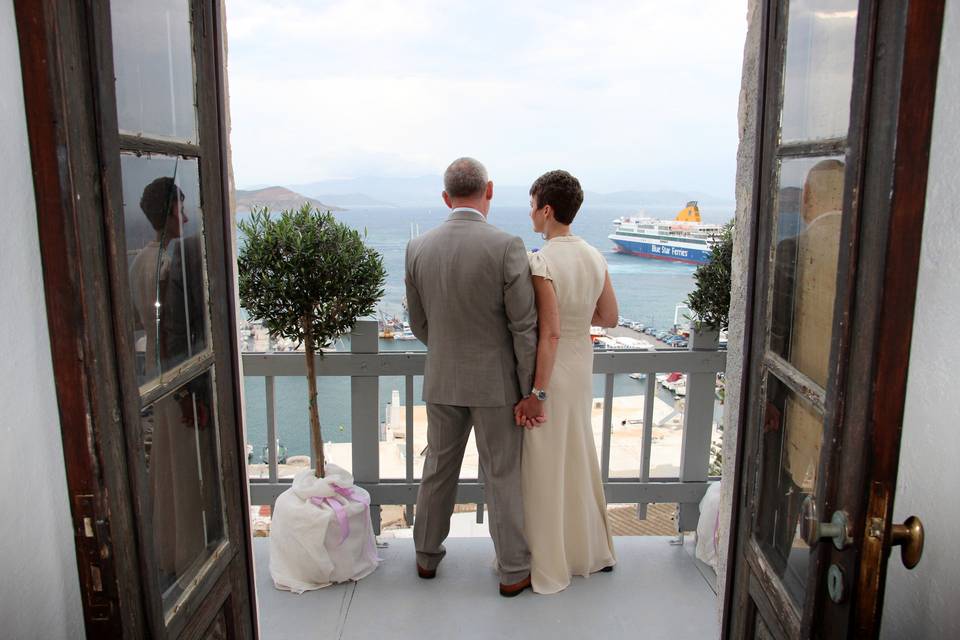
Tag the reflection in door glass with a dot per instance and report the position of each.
(182, 460)
(790, 455)
(818, 70)
(153, 63)
(164, 239)
(809, 205)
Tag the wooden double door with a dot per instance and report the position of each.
(846, 105)
(127, 122)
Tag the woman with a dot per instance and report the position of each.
(565, 513)
(169, 426)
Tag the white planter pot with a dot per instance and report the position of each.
(704, 338)
(321, 532)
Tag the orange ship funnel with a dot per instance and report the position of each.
(690, 213)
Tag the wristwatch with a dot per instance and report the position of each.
(539, 394)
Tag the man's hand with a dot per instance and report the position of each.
(529, 413)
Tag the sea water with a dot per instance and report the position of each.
(648, 291)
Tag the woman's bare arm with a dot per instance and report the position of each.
(607, 311)
(548, 330)
(548, 337)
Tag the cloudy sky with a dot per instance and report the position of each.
(635, 94)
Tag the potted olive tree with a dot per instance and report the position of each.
(309, 278)
(709, 302)
(710, 306)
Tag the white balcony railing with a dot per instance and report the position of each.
(365, 364)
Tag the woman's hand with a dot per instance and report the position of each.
(529, 413)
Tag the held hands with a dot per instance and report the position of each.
(529, 413)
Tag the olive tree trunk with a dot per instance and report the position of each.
(316, 437)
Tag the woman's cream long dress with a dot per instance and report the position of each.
(565, 511)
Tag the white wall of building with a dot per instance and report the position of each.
(740, 269)
(39, 589)
(923, 603)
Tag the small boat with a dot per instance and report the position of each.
(281, 454)
(638, 376)
(672, 380)
(405, 334)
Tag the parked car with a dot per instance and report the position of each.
(680, 344)
(623, 322)
(650, 331)
(663, 335)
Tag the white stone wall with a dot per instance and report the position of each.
(747, 120)
(39, 588)
(923, 603)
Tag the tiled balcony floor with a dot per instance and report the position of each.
(656, 592)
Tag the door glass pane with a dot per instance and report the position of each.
(165, 260)
(183, 467)
(818, 70)
(790, 455)
(153, 63)
(760, 630)
(806, 250)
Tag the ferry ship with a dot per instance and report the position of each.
(684, 239)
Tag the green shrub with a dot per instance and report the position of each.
(710, 301)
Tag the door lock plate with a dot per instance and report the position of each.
(836, 587)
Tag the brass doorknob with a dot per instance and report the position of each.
(909, 536)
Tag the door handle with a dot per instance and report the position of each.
(909, 537)
(812, 530)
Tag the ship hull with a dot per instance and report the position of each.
(666, 251)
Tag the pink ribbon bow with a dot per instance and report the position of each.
(337, 506)
(341, 513)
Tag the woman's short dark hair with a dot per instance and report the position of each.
(561, 191)
(157, 201)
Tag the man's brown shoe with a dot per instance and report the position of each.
(511, 590)
(426, 574)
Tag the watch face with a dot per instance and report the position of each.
(541, 395)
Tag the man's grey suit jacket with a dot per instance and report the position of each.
(471, 301)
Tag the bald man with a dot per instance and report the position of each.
(471, 301)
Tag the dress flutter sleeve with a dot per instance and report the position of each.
(538, 265)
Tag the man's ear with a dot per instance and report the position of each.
(489, 193)
(446, 200)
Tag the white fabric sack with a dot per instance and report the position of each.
(319, 542)
(708, 526)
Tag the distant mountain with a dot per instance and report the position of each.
(353, 200)
(425, 191)
(653, 198)
(277, 199)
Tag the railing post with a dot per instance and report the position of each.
(408, 442)
(365, 414)
(271, 430)
(648, 401)
(697, 427)
(607, 427)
